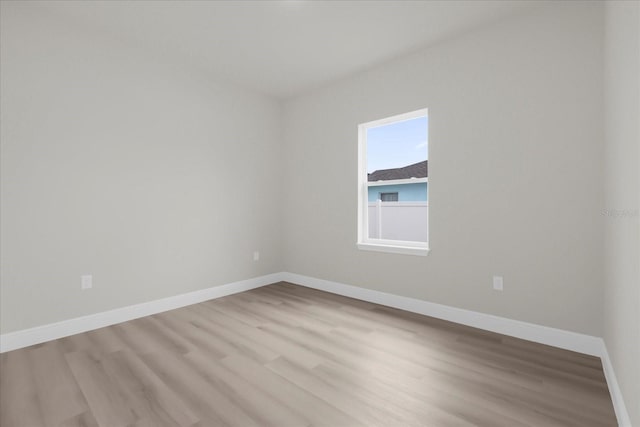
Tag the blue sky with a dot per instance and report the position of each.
(397, 144)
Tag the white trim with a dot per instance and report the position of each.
(52, 331)
(398, 205)
(398, 182)
(614, 389)
(363, 241)
(560, 338)
(396, 119)
(363, 188)
(573, 341)
(395, 249)
(581, 343)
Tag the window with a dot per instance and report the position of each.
(388, 197)
(393, 205)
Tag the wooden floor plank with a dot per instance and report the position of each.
(285, 355)
(316, 410)
(85, 419)
(205, 396)
(108, 405)
(59, 395)
(263, 405)
(19, 404)
(147, 395)
(341, 398)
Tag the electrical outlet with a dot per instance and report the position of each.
(498, 283)
(86, 282)
(256, 256)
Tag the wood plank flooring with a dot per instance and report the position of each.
(285, 355)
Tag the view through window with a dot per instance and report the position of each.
(394, 183)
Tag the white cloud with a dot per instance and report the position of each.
(421, 145)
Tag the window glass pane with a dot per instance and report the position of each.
(389, 197)
(397, 144)
(397, 153)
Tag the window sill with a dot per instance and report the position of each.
(394, 249)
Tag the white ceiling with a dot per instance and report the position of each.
(283, 47)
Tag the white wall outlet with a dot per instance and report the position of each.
(256, 256)
(86, 282)
(498, 283)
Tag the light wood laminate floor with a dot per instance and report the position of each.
(285, 355)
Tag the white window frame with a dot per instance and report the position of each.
(381, 245)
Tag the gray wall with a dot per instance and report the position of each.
(515, 171)
(622, 198)
(146, 175)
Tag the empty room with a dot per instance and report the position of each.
(319, 213)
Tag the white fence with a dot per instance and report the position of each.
(399, 221)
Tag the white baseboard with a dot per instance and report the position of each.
(560, 338)
(541, 334)
(614, 389)
(52, 331)
(581, 343)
